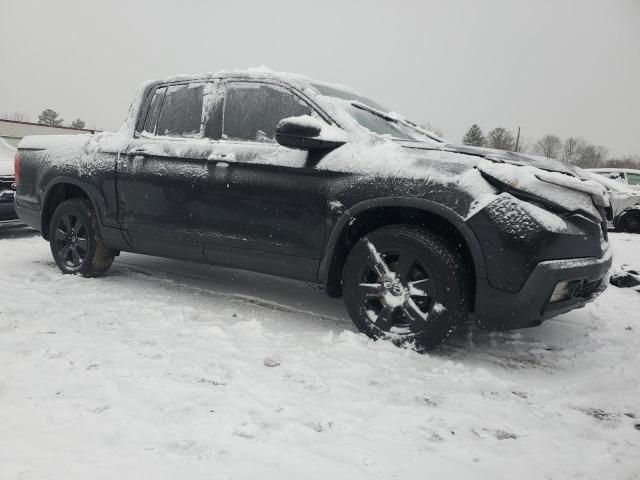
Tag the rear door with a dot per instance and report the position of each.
(162, 177)
(266, 205)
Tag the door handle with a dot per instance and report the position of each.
(221, 157)
(138, 151)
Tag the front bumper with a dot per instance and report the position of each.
(502, 310)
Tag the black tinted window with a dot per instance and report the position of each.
(154, 108)
(252, 111)
(181, 113)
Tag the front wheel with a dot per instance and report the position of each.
(76, 243)
(406, 284)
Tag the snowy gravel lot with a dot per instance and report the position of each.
(164, 369)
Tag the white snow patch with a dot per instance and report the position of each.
(157, 370)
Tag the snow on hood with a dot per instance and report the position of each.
(7, 154)
(513, 158)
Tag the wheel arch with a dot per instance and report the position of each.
(619, 221)
(59, 190)
(369, 215)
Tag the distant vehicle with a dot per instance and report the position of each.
(280, 174)
(625, 205)
(626, 176)
(7, 184)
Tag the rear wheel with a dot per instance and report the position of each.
(76, 243)
(631, 222)
(406, 284)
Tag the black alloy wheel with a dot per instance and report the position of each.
(396, 290)
(406, 284)
(76, 243)
(70, 241)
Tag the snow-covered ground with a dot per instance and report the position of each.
(163, 369)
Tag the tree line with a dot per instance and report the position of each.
(574, 150)
(47, 117)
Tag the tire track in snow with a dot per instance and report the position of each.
(233, 297)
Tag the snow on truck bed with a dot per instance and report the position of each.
(164, 370)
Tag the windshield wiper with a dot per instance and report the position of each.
(398, 121)
(376, 112)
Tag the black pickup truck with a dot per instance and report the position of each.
(280, 174)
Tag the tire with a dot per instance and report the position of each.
(419, 300)
(631, 222)
(75, 240)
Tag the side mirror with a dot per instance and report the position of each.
(304, 133)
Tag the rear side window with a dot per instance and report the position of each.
(181, 111)
(633, 178)
(252, 111)
(154, 109)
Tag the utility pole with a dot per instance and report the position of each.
(518, 139)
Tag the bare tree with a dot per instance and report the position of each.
(501, 138)
(592, 156)
(572, 149)
(15, 116)
(548, 146)
(628, 161)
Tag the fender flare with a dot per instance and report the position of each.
(411, 202)
(94, 195)
(624, 213)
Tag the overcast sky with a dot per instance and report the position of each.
(569, 67)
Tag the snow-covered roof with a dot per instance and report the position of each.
(255, 72)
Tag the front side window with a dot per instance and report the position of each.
(633, 178)
(252, 111)
(181, 111)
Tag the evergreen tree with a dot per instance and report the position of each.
(77, 123)
(49, 117)
(474, 136)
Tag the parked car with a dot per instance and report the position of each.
(627, 176)
(7, 183)
(284, 175)
(625, 205)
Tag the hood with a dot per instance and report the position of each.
(514, 158)
(559, 185)
(502, 156)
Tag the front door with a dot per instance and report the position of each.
(266, 207)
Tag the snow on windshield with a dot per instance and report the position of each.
(345, 94)
(373, 116)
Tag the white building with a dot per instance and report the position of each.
(13, 131)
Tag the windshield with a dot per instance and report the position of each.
(372, 116)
